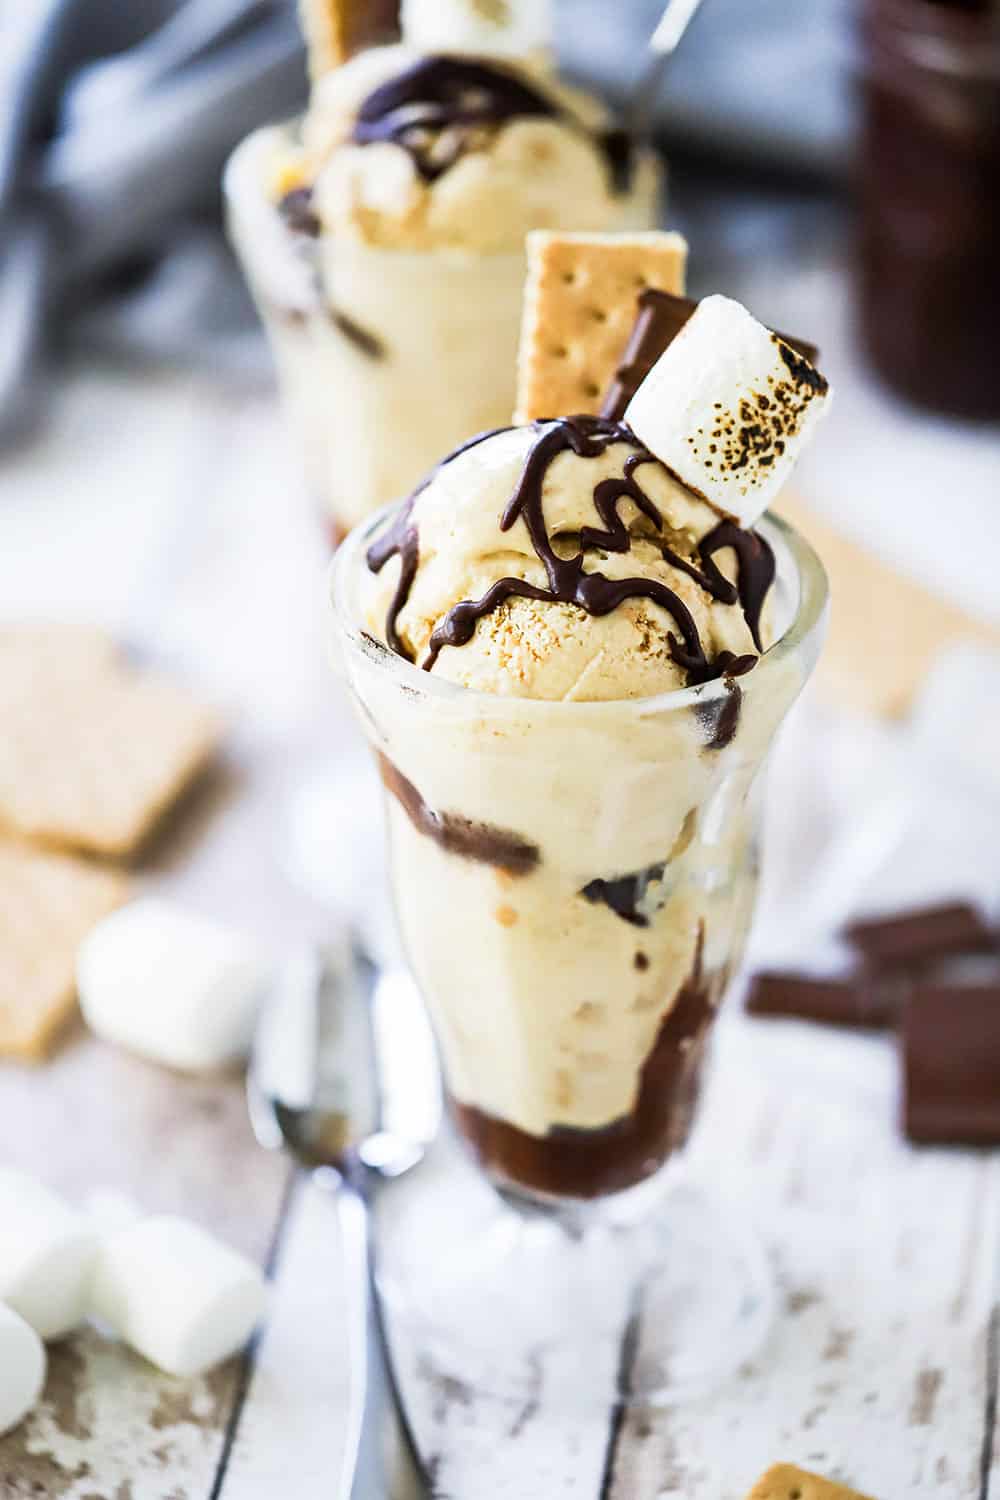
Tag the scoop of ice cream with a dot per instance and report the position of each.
(614, 507)
(410, 151)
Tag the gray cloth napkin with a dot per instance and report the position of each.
(115, 121)
(116, 117)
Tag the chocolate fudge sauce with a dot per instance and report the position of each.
(434, 109)
(568, 580)
(590, 1163)
(482, 842)
(929, 191)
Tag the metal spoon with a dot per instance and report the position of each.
(322, 1085)
(662, 45)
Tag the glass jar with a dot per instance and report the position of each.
(929, 292)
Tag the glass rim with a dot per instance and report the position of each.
(807, 620)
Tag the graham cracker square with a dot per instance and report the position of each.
(786, 1482)
(335, 29)
(48, 905)
(580, 305)
(93, 751)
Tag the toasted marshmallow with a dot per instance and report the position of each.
(728, 407)
(171, 986)
(175, 1294)
(498, 28)
(22, 1368)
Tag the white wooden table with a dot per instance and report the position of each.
(882, 1368)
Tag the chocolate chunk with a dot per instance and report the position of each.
(660, 319)
(720, 719)
(457, 835)
(951, 1065)
(624, 894)
(834, 1002)
(918, 937)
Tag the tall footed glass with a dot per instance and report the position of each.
(574, 884)
(386, 358)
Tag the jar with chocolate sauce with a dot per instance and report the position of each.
(929, 169)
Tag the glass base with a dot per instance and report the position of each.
(646, 1299)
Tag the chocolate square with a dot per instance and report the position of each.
(854, 1001)
(918, 937)
(951, 1065)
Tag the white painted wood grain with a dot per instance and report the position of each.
(535, 1445)
(887, 1260)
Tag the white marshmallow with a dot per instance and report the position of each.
(728, 407)
(22, 1368)
(109, 1210)
(175, 1294)
(172, 986)
(497, 28)
(46, 1255)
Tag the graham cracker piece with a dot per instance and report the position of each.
(335, 29)
(786, 1482)
(580, 304)
(48, 905)
(93, 751)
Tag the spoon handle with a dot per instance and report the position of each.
(380, 1462)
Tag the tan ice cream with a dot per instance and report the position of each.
(557, 651)
(573, 876)
(505, 180)
(383, 238)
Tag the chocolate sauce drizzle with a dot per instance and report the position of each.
(457, 95)
(756, 571)
(568, 580)
(402, 540)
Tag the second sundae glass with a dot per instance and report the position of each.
(574, 883)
